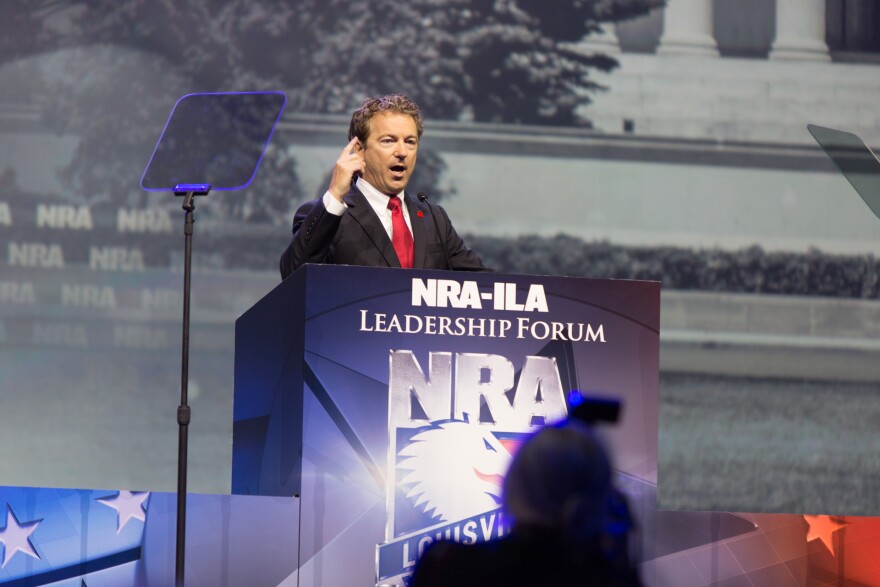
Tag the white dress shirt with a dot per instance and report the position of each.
(378, 201)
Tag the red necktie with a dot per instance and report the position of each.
(400, 235)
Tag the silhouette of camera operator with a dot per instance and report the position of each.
(569, 523)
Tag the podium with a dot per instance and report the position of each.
(390, 401)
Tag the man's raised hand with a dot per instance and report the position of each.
(349, 164)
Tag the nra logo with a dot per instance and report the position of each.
(151, 220)
(60, 216)
(17, 292)
(35, 255)
(486, 388)
(452, 431)
(88, 296)
(449, 293)
(116, 259)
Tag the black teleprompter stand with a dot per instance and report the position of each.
(188, 192)
(212, 141)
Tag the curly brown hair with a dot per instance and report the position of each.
(397, 103)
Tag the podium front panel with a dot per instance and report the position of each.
(392, 401)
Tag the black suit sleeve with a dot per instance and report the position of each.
(461, 256)
(313, 231)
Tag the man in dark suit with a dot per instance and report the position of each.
(366, 217)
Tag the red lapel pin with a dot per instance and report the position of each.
(419, 214)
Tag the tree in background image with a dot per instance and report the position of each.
(488, 60)
(109, 71)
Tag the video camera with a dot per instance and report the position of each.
(593, 409)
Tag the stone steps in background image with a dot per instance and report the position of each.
(736, 99)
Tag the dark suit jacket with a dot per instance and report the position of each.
(358, 238)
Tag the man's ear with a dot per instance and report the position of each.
(359, 146)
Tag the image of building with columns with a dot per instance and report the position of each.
(696, 149)
(751, 70)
